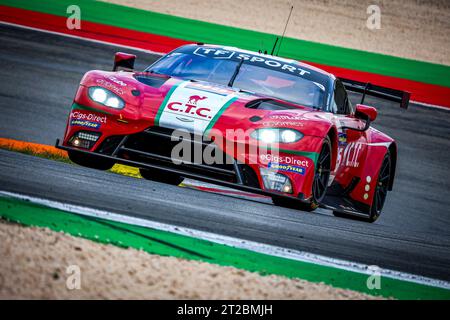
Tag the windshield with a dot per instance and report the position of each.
(189, 66)
(307, 87)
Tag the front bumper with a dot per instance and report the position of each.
(180, 171)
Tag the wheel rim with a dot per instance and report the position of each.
(322, 174)
(382, 186)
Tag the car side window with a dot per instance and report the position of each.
(341, 103)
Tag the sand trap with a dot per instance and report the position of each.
(409, 28)
(34, 261)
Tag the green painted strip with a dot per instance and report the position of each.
(187, 29)
(80, 107)
(164, 103)
(311, 155)
(218, 115)
(170, 244)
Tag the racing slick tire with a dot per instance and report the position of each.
(161, 176)
(90, 161)
(383, 180)
(320, 183)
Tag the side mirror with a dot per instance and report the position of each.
(365, 112)
(124, 61)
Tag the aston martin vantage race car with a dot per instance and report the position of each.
(240, 119)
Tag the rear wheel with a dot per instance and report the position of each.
(161, 176)
(320, 182)
(90, 161)
(380, 193)
(384, 177)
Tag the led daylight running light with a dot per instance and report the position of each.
(273, 135)
(87, 136)
(106, 97)
(268, 136)
(113, 102)
(288, 136)
(99, 95)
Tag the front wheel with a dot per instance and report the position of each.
(161, 176)
(320, 182)
(90, 161)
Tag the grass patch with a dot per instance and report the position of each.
(49, 152)
(37, 153)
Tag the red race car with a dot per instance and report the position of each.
(240, 119)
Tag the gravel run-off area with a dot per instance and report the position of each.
(414, 29)
(37, 263)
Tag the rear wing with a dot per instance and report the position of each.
(366, 88)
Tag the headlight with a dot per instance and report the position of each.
(272, 135)
(106, 97)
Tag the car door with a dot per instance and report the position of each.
(352, 143)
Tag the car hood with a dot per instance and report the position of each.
(199, 106)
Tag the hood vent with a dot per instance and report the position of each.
(151, 80)
(268, 104)
(255, 119)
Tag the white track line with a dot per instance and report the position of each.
(428, 105)
(233, 242)
(421, 104)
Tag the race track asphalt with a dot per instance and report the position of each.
(39, 76)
